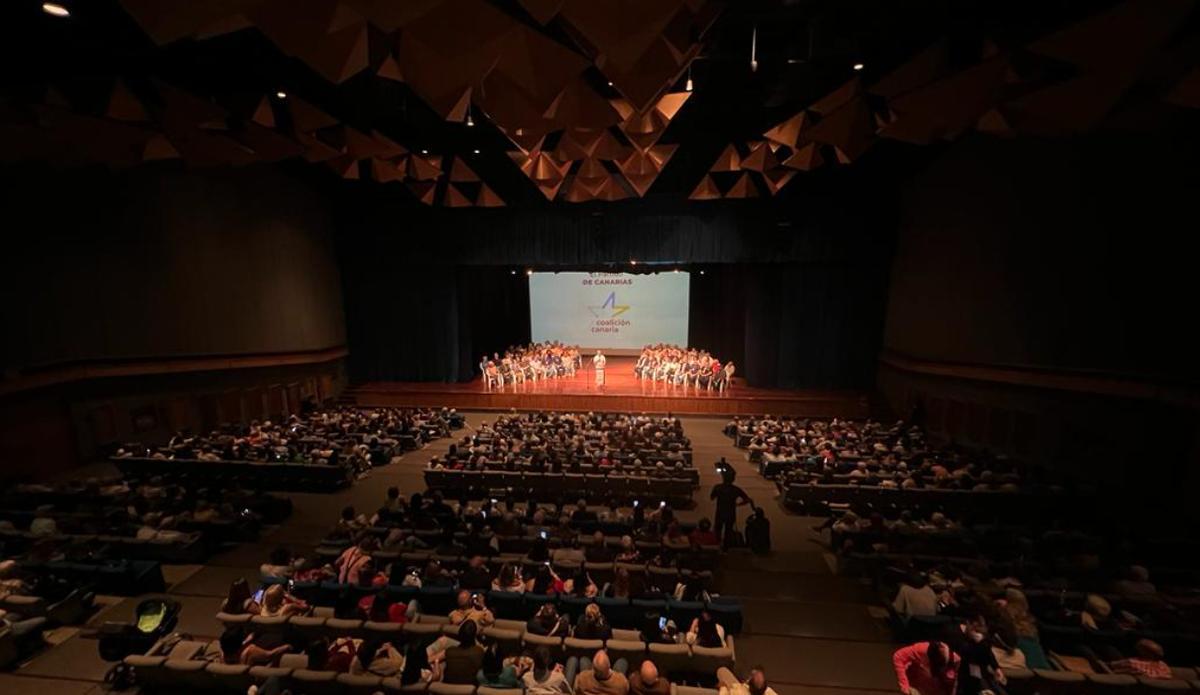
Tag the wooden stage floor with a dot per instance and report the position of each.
(622, 392)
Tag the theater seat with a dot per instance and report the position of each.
(554, 644)
(709, 659)
(230, 677)
(671, 659)
(311, 626)
(293, 661)
(688, 690)
(508, 641)
(187, 673)
(150, 670)
(316, 682)
(1059, 682)
(1020, 681)
(1110, 683)
(450, 689)
(484, 690)
(633, 651)
(261, 673)
(1161, 685)
(582, 647)
(358, 685)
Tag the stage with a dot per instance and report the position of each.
(621, 392)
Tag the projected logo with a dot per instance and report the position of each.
(610, 308)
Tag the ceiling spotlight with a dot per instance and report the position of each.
(610, 83)
(513, 272)
(281, 94)
(424, 151)
(858, 66)
(529, 272)
(470, 121)
(688, 87)
(701, 272)
(754, 50)
(476, 151)
(633, 262)
(677, 270)
(55, 9)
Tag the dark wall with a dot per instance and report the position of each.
(160, 262)
(1042, 300)
(1064, 254)
(793, 291)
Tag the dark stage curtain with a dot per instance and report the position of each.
(431, 323)
(794, 297)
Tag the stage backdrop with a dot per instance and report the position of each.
(795, 297)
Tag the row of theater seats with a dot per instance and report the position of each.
(702, 559)
(678, 660)
(622, 613)
(594, 487)
(160, 674)
(1041, 682)
(185, 551)
(817, 500)
(298, 477)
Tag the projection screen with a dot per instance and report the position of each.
(612, 311)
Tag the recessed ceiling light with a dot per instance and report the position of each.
(476, 151)
(858, 66)
(634, 262)
(514, 272)
(424, 151)
(529, 272)
(281, 94)
(610, 83)
(55, 9)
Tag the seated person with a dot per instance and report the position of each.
(756, 684)
(460, 664)
(377, 658)
(276, 602)
(1136, 584)
(704, 535)
(499, 672)
(477, 576)
(471, 607)
(547, 622)
(279, 565)
(706, 632)
(646, 681)
(569, 552)
(509, 579)
(598, 675)
(599, 551)
(241, 647)
(239, 600)
(592, 624)
(544, 677)
(915, 597)
(1147, 662)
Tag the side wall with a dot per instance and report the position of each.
(1041, 301)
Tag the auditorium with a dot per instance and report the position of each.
(600, 347)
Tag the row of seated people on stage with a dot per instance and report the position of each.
(683, 367)
(553, 441)
(795, 450)
(533, 362)
(343, 436)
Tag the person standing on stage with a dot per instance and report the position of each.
(598, 362)
(728, 497)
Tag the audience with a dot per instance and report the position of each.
(598, 676)
(926, 668)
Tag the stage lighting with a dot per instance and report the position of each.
(55, 9)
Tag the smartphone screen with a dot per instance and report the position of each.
(258, 595)
(662, 623)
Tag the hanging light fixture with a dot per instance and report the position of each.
(688, 87)
(754, 50)
(470, 121)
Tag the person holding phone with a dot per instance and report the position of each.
(471, 606)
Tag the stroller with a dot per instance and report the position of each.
(154, 619)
